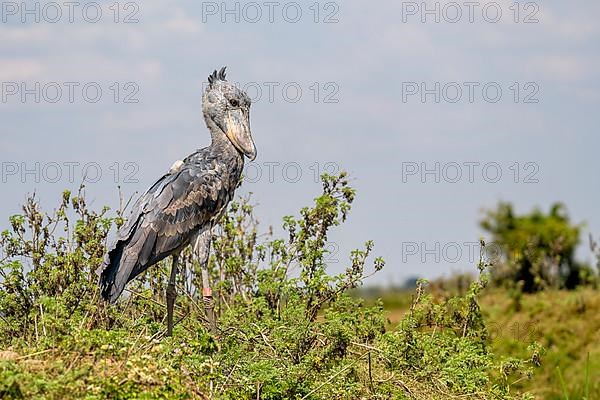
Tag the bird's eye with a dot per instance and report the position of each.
(234, 103)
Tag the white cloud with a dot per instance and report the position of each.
(558, 67)
(20, 69)
(180, 23)
(30, 35)
(150, 70)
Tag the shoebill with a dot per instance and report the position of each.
(181, 208)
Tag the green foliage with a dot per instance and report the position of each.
(566, 324)
(538, 249)
(287, 328)
(47, 268)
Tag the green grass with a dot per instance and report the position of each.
(93, 364)
(565, 323)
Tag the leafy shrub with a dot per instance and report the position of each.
(287, 329)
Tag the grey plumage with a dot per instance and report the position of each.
(187, 199)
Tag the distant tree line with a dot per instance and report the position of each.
(538, 249)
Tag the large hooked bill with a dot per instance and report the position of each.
(237, 129)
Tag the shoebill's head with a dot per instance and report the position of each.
(228, 108)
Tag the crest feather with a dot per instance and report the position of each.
(217, 76)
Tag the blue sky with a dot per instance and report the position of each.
(356, 110)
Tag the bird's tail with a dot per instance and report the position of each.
(125, 259)
(111, 286)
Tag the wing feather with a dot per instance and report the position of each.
(166, 217)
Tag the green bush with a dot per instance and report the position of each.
(537, 249)
(287, 329)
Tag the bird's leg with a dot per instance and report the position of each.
(202, 249)
(171, 295)
(207, 299)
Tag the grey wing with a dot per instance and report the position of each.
(162, 222)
